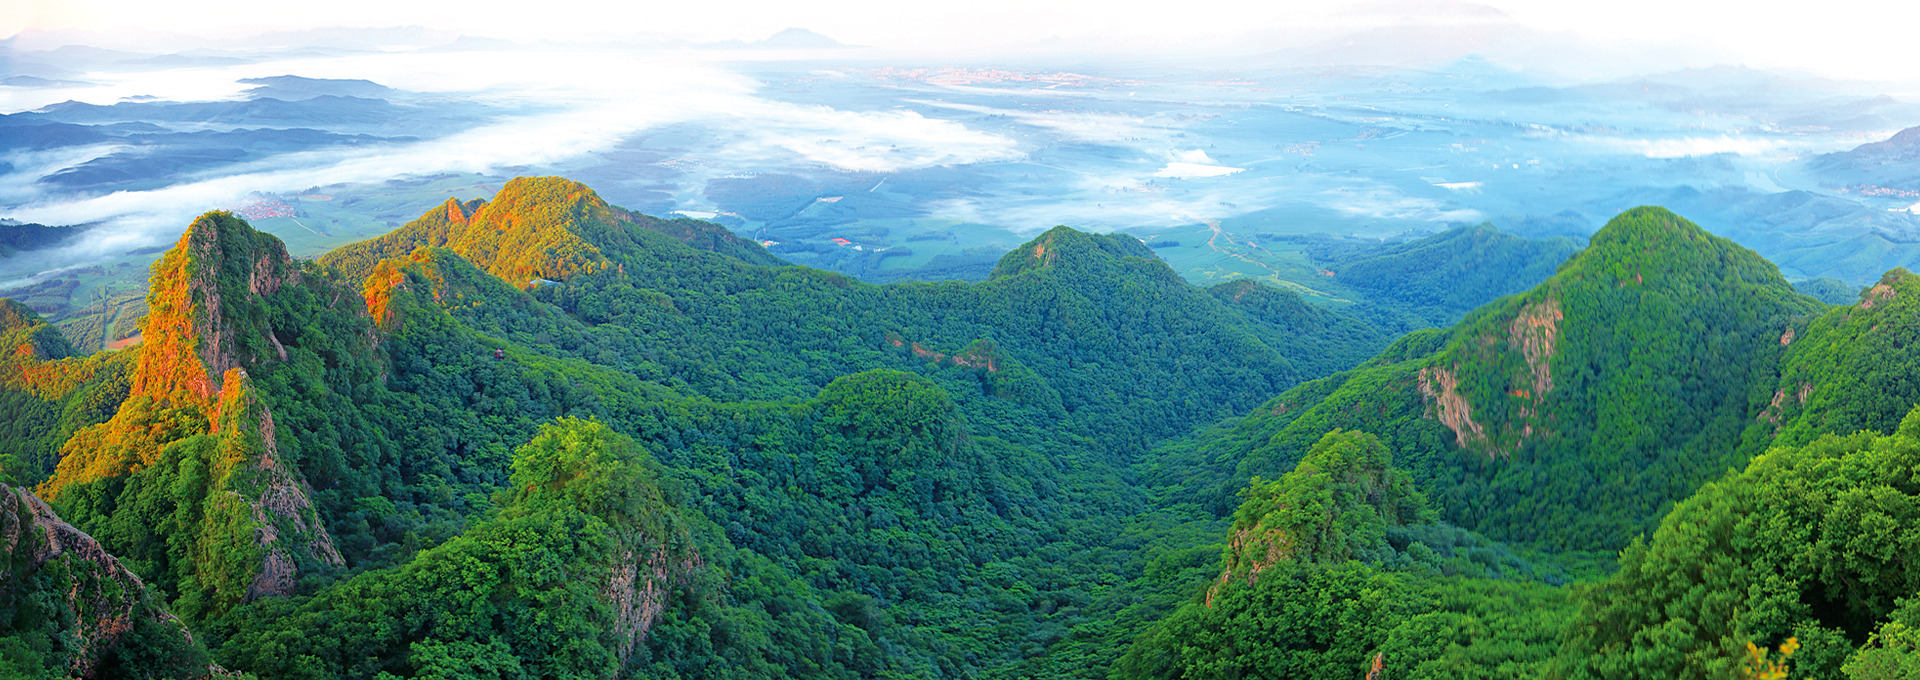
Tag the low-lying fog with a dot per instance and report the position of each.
(920, 158)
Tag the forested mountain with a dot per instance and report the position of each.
(1796, 564)
(71, 608)
(15, 237)
(871, 479)
(1340, 563)
(48, 393)
(542, 436)
(1852, 369)
(1890, 163)
(1569, 416)
(1813, 543)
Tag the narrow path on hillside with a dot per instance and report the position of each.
(1272, 274)
(1219, 233)
(108, 325)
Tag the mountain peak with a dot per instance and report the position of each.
(1902, 147)
(1647, 223)
(1309, 514)
(24, 333)
(1605, 378)
(797, 39)
(541, 228)
(534, 228)
(1069, 248)
(1904, 139)
(203, 301)
(15, 316)
(209, 319)
(1650, 245)
(294, 88)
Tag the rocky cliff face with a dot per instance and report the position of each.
(637, 591)
(1849, 370)
(203, 315)
(92, 605)
(287, 530)
(206, 317)
(192, 403)
(1529, 345)
(1593, 399)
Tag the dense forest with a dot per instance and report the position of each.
(538, 435)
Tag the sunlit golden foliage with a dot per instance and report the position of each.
(1762, 665)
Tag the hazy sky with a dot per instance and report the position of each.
(1848, 38)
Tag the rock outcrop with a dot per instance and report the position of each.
(206, 317)
(637, 591)
(1332, 507)
(1440, 387)
(192, 403)
(90, 603)
(203, 312)
(287, 529)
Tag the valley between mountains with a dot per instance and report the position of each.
(536, 435)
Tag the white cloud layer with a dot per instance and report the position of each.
(588, 110)
(1841, 38)
(1682, 147)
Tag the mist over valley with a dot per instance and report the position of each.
(1407, 339)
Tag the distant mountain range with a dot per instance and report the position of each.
(1893, 164)
(788, 39)
(294, 88)
(639, 444)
